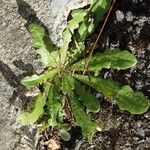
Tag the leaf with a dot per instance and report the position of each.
(32, 116)
(40, 38)
(108, 87)
(95, 14)
(83, 30)
(134, 102)
(54, 104)
(127, 99)
(67, 84)
(41, 42)
(35, 80)
(99, 8)
(64, 134)
(82, 118)
(115, 59)
(77, 17)
(89, 100)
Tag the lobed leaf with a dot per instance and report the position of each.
(67, 84)
(99, 8)
(41, 42)
(127, 99)
(96, 12)
(31, 117)
(54, 104)
(77, 17)
(115, 59)
(134, 102)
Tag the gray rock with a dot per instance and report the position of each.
(119, 15)
(129, 16)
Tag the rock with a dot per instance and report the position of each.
(119, 15)
(129, 16)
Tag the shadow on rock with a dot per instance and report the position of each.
(26, 12)
(14, 81)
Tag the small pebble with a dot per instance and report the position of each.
(119, 15)
(129, 16)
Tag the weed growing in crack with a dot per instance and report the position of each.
(65, 95)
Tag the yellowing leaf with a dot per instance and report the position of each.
(134, 102)
(64, 134)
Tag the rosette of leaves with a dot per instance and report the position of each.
(66, 91)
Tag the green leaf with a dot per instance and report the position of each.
(67, 84)
(40, 38)
(89, 100)
(108, 87)
(77, 17)
(95, 13)
(99, 8)
(35, 80)
(134, 102)
(41, 42)
(115, 59)
(82, 118)
(54, 104)
(83, 30)
(127, 99)
(64, 134)
(32, 116)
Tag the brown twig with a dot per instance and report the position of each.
(95, 43)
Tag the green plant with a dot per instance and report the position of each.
(66, 89)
